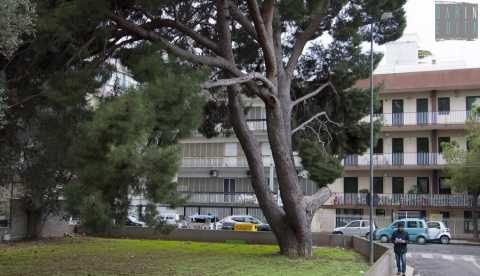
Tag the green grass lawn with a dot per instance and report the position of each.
(95, 256)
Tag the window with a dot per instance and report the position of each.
(422, 185)
(412, 224)
(380, 212)
(443, 187)
(239, 219)
(378, 149)
(444, 105)
(471, 101)
(354, 224)
(229, 185)
(441, 143)
(378, 185)
(256, 113)
(350, 185)
(433, 225)
(397, 224)
(397, 185)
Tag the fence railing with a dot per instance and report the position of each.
(260, 124)
(214, 162)
(221, 198)
(407, 200)
(396, 159)
(225, 162)
(423, 118)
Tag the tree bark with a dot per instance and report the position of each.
(34, 223)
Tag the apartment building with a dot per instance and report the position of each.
(214, 173)
(419, 111)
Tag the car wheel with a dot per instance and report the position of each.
(384, 238)
(444, 240)
(421, 240)
(367, 236)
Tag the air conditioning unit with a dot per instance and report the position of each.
(214, 173)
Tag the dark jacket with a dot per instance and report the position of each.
(400, 248)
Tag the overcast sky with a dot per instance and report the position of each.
(421, 21)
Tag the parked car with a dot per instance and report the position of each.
(416, 229)
(209, 218)
(169, 219)
(437, 231)
(228, 223)
(133, 221)
(355, 228)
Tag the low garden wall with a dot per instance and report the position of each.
(384, 257)
(319, 239)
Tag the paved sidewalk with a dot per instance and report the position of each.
(409, 271)
(465, 242)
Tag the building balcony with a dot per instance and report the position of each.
(212, 198)
(415, 120)
(403, 200)
(257, 125)
(416, 160)
(214, 162)
(224, 162)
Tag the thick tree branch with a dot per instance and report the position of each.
(315, 201)
(314, 93)
(302, 39)
(242, 20)
(323, 113)
(264, 38)
(136, 30)
(239, 80)
(202, 40)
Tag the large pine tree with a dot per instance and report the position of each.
(298, 57)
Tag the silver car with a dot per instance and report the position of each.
(355, 228)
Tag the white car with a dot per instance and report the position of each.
(355, 228)
(437, 231)
(133, 221)
(169, 219)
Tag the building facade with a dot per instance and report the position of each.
(420, 111)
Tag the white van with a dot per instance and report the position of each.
(169, 218)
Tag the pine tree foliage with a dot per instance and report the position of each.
(130, 147)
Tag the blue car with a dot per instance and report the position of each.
(416, 229)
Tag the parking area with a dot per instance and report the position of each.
(444, 260)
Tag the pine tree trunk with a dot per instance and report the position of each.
(34, 224)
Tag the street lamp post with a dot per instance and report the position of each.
(385, 16)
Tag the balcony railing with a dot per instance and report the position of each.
(260, 124)
(225, 162)
(396, 159)
(423, 118)
(405, 200)
(214, 162)
(220, 198)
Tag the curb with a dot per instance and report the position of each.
(461, 242)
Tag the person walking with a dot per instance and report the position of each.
(400, 240)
